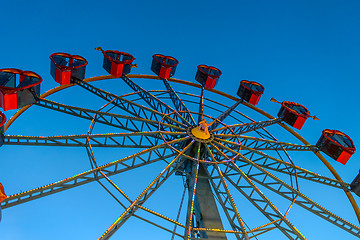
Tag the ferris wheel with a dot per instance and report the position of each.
(238, 180)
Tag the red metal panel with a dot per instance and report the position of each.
(63, 77)
(210, 82)
(116, 69)
(254, 99)
(344, 157)
(299, 122)
(8, 101)
(165, 72)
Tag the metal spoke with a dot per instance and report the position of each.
(128, 106)
(151, 155)
(178, 103)
(149, 190)
(266, 144)
(154, 102)
(146, 209)
(217, 105)
(201, 105)
(115, 120)
(239, 129)
(141, 207)
(278, 165)
(224, 115)
(225, 199)
(192, 184)
(262, 203)
(118, 140)
(278, 186)
(205, 212)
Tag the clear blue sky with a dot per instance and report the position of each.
(302, 51)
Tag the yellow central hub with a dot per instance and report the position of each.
(202, 130)
(200, 133)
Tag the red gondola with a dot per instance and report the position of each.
(2, 196)
(2, 193)
(117, 63)
(293, 114)
(164, 66)
(64, 66)
(2, 129)
(336, 145)
(18, 88)
(207, 76)
(250, 91)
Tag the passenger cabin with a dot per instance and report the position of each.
(2, 196)
(65, 66)
(355, 185)
(164, 66)
(250, 91)
(207, 76)
(2, 129)
(2, 193)
(18, 88)
(336, 145)
(117, 63)
(293, 114)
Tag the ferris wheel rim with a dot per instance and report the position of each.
(153, 77)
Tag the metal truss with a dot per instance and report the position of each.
(119, 140)
(266, 144)
(201, 105)
(178, 103)
(202, 210)
(228, 157)
(278, 165)
(139, 206)
(262, 203)
(224, 115)
(238, 129)
(128, 106)
(151, 155)
(154, 102)
(192, 183)
(216, 177)
(115, 120)
(266, 179)
(149, 190)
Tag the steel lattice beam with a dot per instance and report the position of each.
(178, 103)
(139, 206)
(142, 208)
(262, 203)
(154, 185)
(201, 105)
(128, 106)
(224, 115)
(192, 184)
(122, 140)
(271, 182)
(226, 201)
(278, 165)
(266, 144)
(154, 102)
(133, 124)
(133, 161)
(238, 129)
